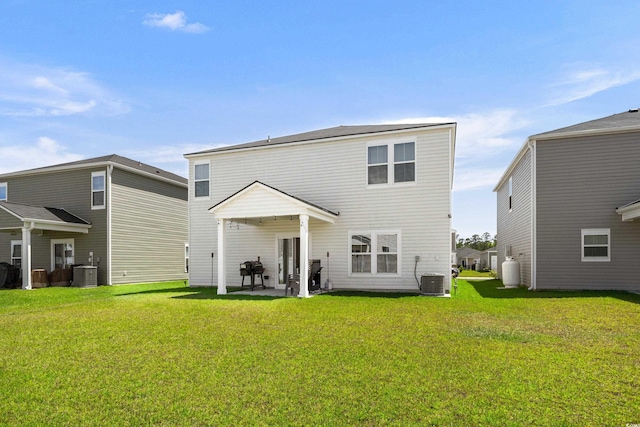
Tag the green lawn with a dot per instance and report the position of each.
(473, 273)
(163, 354)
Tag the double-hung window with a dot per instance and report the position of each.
(391, 163)
(3, 191)
(596, 245)
(201, 180)
(374, 252)
(98, 199)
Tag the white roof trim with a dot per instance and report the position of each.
(290, 206)
(330, 139)
(629, 212)
(62, 168)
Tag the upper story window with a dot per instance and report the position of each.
(201, 179)
(3, 191)
(402, 158)
(510, 194)
(596, 244)
(98, 190)
(404, 162)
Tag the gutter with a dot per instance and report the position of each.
(532, 147)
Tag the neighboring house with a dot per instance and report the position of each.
(369, 202)
(489, 259)
(468, 258)
(127, 218)
(566, 205)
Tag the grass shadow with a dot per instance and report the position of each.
(489, 289)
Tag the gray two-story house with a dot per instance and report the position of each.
(127, 218)
(566, 206)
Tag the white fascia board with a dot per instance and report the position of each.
(57, 226)
(589, 132)
(630, 212)
(301, 207)
(93, 165)
(507, 173)
(313, 141)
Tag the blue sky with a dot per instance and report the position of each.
(152, 80)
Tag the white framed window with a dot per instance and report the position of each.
(62, 255)
(98, 190)
(16, 253)
(201, 179)
(404, 162)
(391, 163)
(596, 245)
(510, 194)
(3, 191)
(186, 257)
(374, 253)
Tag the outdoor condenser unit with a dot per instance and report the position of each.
(85, 275)
(432, 284)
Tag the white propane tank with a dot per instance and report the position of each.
(511, 272)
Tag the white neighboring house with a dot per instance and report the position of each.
(372, 203)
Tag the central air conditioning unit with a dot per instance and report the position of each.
(85, 276)
(432, 284)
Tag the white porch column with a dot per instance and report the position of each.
(26, 256)
(304, 256)
(222, 284)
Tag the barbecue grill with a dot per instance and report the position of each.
(252, 269)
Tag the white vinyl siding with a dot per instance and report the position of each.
(3, 191)
(419, 209)
(596, 245)
(98, 193)
(201, 180)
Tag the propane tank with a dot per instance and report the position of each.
(511, 272)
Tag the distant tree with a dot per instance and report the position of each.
(479, 243)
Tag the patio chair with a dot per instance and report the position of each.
(293, 283)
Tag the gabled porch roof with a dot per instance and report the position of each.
(259, 200)
(15, 216)
(630, 211)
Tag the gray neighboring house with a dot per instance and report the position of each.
(566, 207)
(468, 258)
(126, 217)
(489, 259)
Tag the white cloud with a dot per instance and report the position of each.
(479, 132)
(476, 178)
(170, 158)
(44, 152)
(585, 81)
(28, 90)
(174, 22)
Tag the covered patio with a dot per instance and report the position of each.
(259, 201)
(630, 211)
(23, 220)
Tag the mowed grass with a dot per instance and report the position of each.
(164, 354)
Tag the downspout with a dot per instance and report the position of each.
(108, 189)
(532, 149)
(26, 255)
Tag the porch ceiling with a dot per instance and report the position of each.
(259, 200)
(630, 212)
(15, 216)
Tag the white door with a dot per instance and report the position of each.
(61, 253)
(494, 262)
(288, 258)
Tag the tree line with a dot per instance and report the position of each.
(479, 243)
